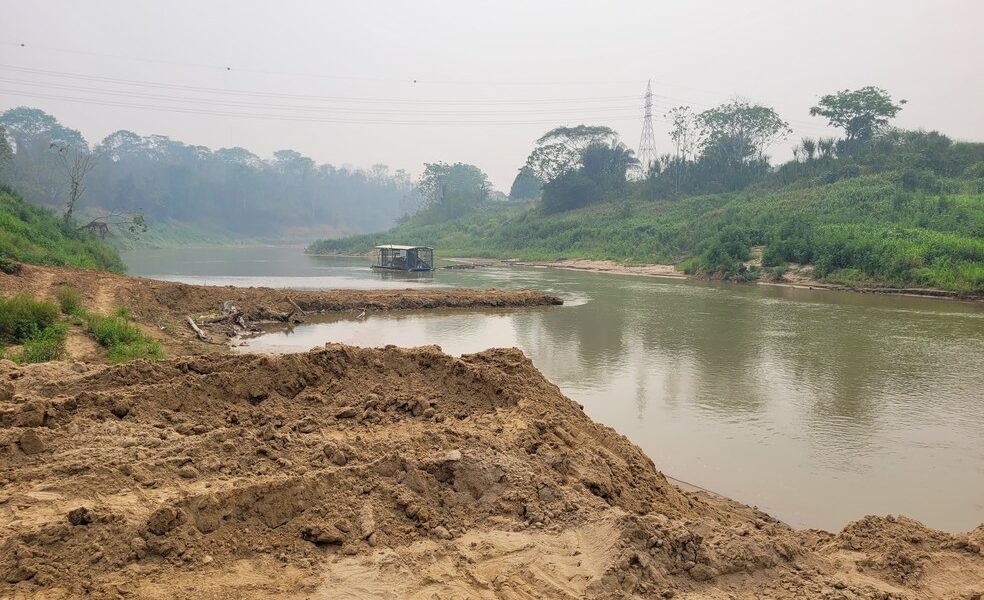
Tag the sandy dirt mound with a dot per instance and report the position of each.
(389, 473)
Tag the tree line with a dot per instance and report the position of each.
(724, 149)
(127, 177)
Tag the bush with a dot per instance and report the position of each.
(42, 346)
(777, 273)
(9, 267)
(22, 316)
(569, 191)
(920, 180)
(70, 300)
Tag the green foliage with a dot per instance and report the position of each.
(864, 229)
(559, 151)
(122, 340)
(606, 165)
(861, 113)
(740, 132)
(526, 185)
(33, 325)
(35, 235)
(70, 300)
(42, 346)
(569, 191)
(23, 316)
(450, 191)
(6, 152)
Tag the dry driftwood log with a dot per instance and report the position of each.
(201, 334)
(296, 307)
(267, 313)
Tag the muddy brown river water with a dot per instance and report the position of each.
(817, 406)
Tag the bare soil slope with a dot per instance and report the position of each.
(389, 473)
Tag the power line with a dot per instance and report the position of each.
(253, 93)
(282, 117)
(344, 110)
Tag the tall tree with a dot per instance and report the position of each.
(559, 150)
(740, 131)
(450, 191)
(607, 165)
(526, 185)
(685, 133)
(861, 113)
(77, 164)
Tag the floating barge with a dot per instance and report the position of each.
(410, 259)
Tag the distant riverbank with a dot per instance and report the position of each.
(796, 277)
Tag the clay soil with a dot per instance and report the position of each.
(348, 472)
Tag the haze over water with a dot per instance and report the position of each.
(818, 407)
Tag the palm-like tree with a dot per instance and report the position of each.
(810, 147)
(826, 147)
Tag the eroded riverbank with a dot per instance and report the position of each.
(162, 308)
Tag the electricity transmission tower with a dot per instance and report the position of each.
(647, 143)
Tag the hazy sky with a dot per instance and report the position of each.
(403, 83)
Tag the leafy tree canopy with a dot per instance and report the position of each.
(559, 150)
(450, 191)
(861, 113)
(24, 123)
(740, 131)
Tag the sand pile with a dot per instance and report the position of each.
(389, 473)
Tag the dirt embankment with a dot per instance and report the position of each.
(161, 307)
(390, 473)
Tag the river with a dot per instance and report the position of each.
(816, 406)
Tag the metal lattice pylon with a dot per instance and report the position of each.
(647, 143)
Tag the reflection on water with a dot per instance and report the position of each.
(819, 407)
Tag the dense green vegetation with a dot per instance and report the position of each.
(123, 341)
(864, 228)
(879, 207)
(35, 235)
(33, 325)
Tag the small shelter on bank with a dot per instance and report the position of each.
(391, 257)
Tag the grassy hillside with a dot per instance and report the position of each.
(165, 234)
(872, 229)
(35, 235)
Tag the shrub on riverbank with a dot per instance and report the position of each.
(31, 324)
(122, 340)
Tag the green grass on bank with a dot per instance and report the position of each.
(38, 332)
(872, 229)
(169, 234)
(122, 340)
(35, 235)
